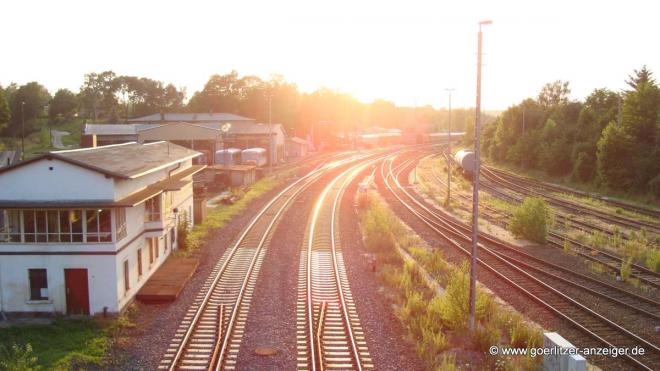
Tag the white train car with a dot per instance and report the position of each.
(254, 156)
(232, 156)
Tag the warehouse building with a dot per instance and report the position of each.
(82, 230)
(204, 137)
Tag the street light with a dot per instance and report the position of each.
(449, 90)
(22, 130)
(475, 188)
(225, 130)
(270, 131)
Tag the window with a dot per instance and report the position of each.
(139, 262)
(150, 244)
(99, 227)
(75, 218)
(38, 284)
(10, 226)
(120, 221)
(152, 209)
(127, 283)
(167, 202)
(35, 225)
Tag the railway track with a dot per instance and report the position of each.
(544, 186)
(600, 330)
(210, 333)
(609, 260)
(520, 187)
(328, 328)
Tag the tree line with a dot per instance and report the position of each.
(106, 97)
(609, 140)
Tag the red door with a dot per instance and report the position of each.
(77, 292)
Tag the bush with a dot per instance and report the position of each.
(653, 260)
(531, 220)
(18, 358)
(454, 304)
(182, 230)
(626, 268)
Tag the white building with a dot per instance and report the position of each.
(82, 230)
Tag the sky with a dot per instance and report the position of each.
(407, 52)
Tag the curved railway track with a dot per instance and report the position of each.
(536, 184)
(611, 261)
(210, 333)
(601, 331)
(329, 332)
(521, 187)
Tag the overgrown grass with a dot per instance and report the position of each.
(64, 345)
(221, 214)
(437, 324)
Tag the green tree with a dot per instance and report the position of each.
(64, 104)
(5, 113)
(554, 94)
(98, 95)
(29, 99)
(615, 153)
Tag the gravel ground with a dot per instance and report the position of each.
(531, 309)
(385, 337)
(156, 324)
(271, 321)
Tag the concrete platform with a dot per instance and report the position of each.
(168, 281)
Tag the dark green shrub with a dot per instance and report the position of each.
(531, 220)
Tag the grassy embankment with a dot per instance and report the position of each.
(66, 344)
(221, 214)
(436, 324)
(39, 142)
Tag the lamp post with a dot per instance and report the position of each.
(475, 189)
(225, 130)
(449, 150)
(270, 131)
(22, 130)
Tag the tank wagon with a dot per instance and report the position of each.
(231, 155)
(254, 156)
(465, 159)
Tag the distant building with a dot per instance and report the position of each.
(204, 137)
(9, 158)
(297, 147)
(82, 230)
(193, 118)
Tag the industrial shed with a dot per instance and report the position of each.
(296, 147)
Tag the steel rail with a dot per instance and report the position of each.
(439, 229)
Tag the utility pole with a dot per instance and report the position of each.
(449, 150)
(475, 189)
(22, 130)
(618, 113)
(270, 132)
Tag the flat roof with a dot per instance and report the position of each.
(126, 161)
(191, 117)
(236, 128)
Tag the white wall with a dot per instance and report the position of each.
(105, 272)
(35, 181)
(16, 287)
